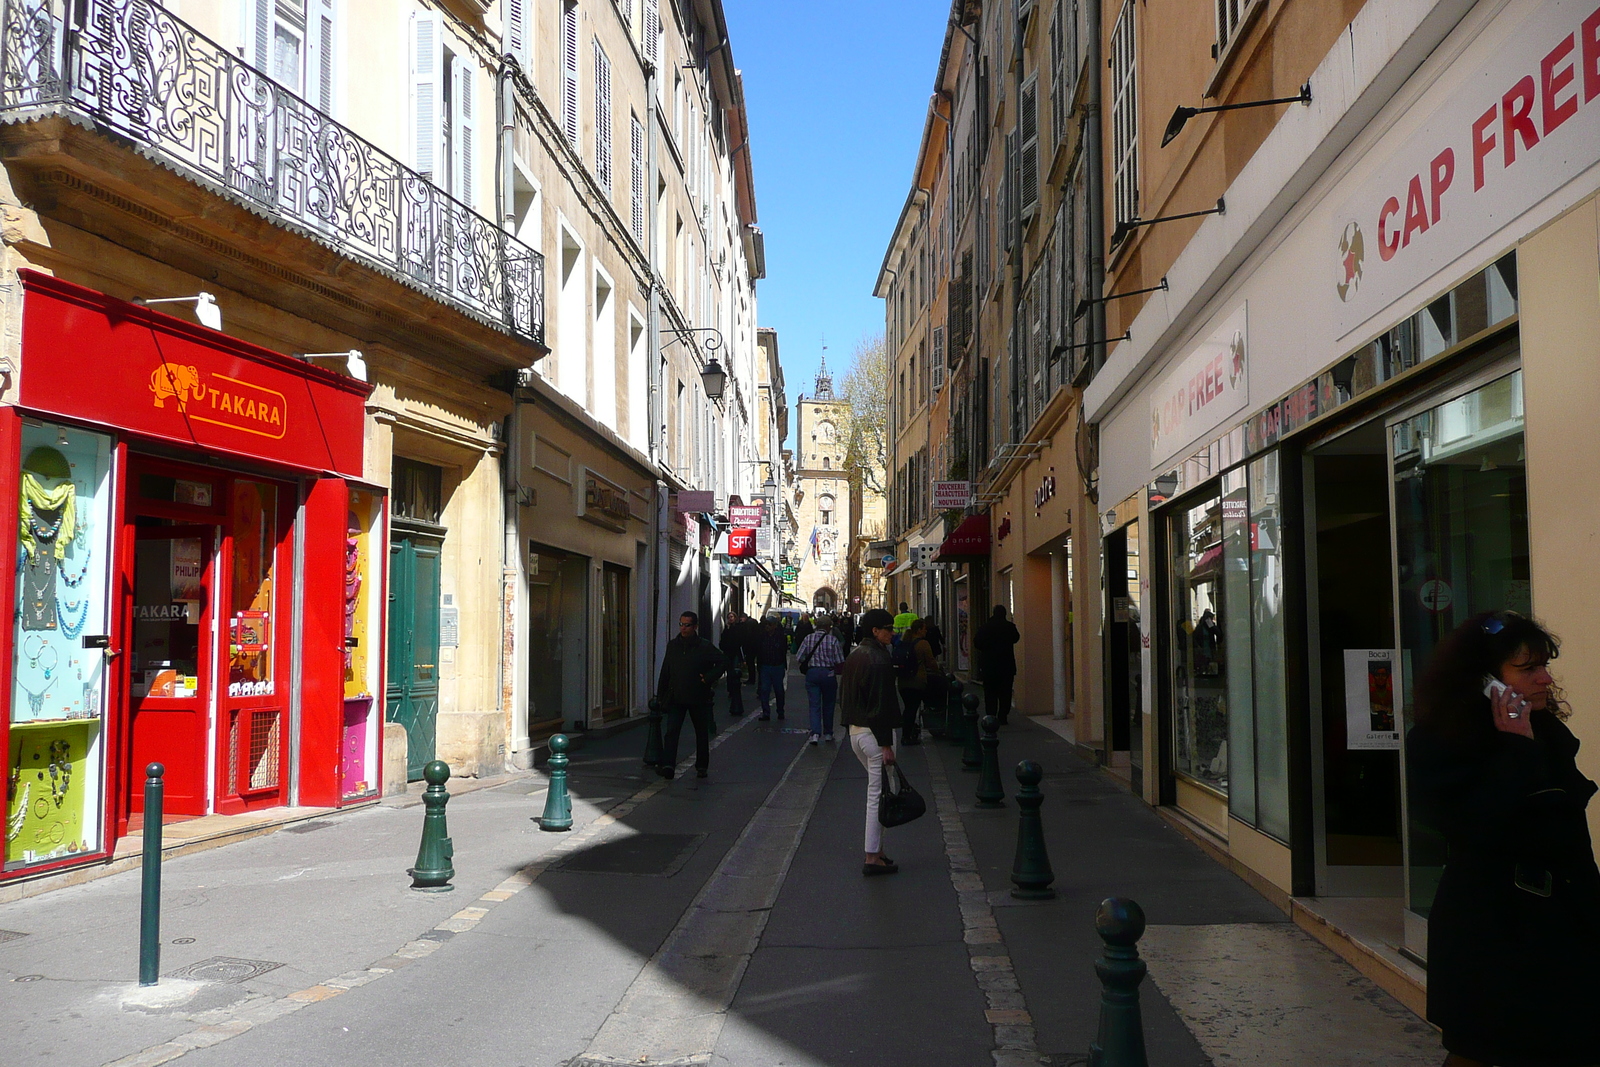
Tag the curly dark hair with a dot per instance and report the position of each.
(1449, 695)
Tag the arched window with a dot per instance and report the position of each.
(827, 463)
(825, 509)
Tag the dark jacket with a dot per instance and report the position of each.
(732, 642)
(867, 694)
(772, 647)
(689, 669)
(996, 644)
(1514, 930)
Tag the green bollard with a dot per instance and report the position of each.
(150, 887)
(652, 737)
(971, 756)
(1030, 870)
(991, 793)
(1120, 1043)
(433, 871)
(557, 804)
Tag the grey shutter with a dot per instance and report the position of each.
(319, 55)
(602, 118)
(427, 93)
(637, 192)
(1028, 163)
(464, 142)
(569, 73)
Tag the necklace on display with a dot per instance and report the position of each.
(55, 660)
(72, 581)
(15, 826)
(72, 627)
(30, 651)
(36, 700)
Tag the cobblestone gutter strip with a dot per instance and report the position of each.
(1015, 1043)
(221, 1025)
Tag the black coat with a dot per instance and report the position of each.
(867, 694)
(1514, 931)
(689, 669)
(996, 644)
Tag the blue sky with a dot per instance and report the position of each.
(837, 93)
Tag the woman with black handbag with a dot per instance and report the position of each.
(869, 707)
(1514, 930)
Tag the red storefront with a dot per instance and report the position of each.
(196, 574)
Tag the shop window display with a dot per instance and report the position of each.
(56, 766)
(1199, 674)
(250, 626)
(359, 741)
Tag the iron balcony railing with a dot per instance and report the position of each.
(133, 68)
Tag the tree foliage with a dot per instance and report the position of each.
(866, 387)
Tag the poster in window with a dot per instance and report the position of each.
(1369, 699)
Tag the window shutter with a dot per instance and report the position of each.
(517, 36)
(1008, 204)
(1124, 119)
(637, 191)
(462, 124)
(602, 118)
(1028, 173)
(318, 81)
(652, 31)
(427, 93)
(261, 34)
(569, 73)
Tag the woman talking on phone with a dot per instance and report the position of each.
(1514, 932)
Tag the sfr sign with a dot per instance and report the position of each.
(1523, 121)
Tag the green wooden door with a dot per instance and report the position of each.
(413, 695)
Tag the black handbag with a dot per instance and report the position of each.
(898, 803)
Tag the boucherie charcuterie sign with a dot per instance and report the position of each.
(1524, 122)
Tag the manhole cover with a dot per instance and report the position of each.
(9, 935)
(659, 855)
(306, 827)
(226, 970)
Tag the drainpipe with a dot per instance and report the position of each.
(1097, 192)
(657, 405)
(511, 455)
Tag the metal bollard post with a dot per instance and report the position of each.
(652, 737)
(433, 871)
(1030, 869)
(1120, 1042)
(150, 889)
(557, 804)
(951, 709)
(971, 756)
(991, 793)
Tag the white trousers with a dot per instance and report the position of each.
(871, 757)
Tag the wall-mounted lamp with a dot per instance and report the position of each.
(714, 378)
(354, 363)
(205, 307)
(1127, 226)
(1182, 115)
(1085, 304)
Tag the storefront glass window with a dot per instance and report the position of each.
(1199, 681)
(1236, 541)
(1267, 647)
(56, 767)
(1461, 529)
(358, 742)
(255, 544)
(614, 623)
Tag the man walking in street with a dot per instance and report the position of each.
(689, 672)
(903, 621)
(732, 646)
(996, 642)
(772, 658)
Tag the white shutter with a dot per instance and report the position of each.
(602, 118)
(569, 72)
(637, 191)
(652, 31)
(427, 93)
(318, 80)
(260, 44)
(461, 124)
(519, 34)
(1028, 170)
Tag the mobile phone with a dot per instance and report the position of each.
(1492, 686)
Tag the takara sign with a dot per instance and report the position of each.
(1511, 133)
(1200, 392)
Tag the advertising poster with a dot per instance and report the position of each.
(1369, 699)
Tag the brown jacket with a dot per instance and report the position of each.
(867, 691)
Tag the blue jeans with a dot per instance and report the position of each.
(772, 677)
(822, 686)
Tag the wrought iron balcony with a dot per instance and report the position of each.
(133, 69)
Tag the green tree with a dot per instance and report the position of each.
(866, 387)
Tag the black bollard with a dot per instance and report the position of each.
(991, 793)
(557, 804)
(948, 711)
(1030, 870)
(150, 887)
(971, 755)
(433, 871)
(1120, 1043)
(652, 736)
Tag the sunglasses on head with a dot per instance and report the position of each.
(1497, 622)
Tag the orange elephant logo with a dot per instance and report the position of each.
(180, 383)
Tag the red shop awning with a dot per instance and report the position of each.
(968, 543)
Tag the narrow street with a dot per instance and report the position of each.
(720, 920)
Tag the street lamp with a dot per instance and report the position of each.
(714, 378)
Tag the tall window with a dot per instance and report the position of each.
(1124, 119)
(825, 508)
(569, 72)
(602, 118)
(292, 40)
(1230, 16)
(442, 91)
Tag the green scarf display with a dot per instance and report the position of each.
(36, 496)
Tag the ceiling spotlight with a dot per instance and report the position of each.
(205, 307)
(354, 363)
